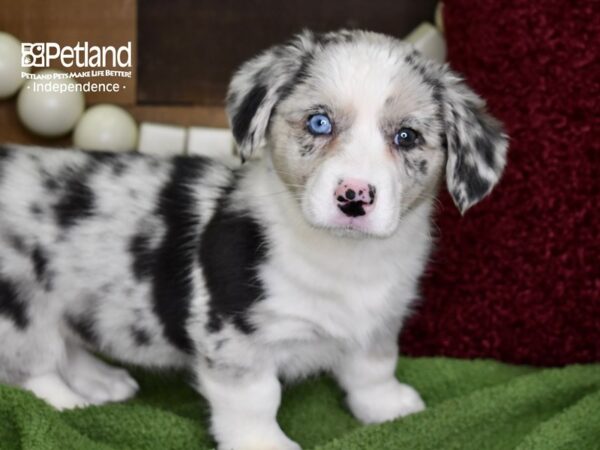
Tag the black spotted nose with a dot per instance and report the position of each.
(355, 197)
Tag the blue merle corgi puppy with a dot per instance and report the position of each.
(305, 260)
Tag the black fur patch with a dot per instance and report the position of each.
(457, 145)
(140, 336)
(485, 147)
(84, 326)
(411, 58)
(334, 37)
(172, 288)
(40, 267)
(408, 163)
(231, 250)
(476, 186)
(245, 112)
(18, 243)
(77, 199)
(36, 211)
(288, 88)
(118, 166)
(117, 162)
(144, 257)
(50, 184)
(11, 305)
(4, 156)
(485, 144)
(299, 77)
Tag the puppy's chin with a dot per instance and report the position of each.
(351, 231)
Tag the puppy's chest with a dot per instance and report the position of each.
(314, 311)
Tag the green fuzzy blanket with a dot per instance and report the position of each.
(475, 405)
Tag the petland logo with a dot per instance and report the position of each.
(41, 54)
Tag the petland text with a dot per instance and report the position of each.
(42, 54)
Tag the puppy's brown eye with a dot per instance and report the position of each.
(406, 138)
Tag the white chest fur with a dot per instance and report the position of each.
(326, 293)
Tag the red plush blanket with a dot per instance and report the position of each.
(518, 278)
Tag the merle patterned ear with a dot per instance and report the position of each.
(476, 144)
(260, 84)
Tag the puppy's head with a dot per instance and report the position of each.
(360, 128)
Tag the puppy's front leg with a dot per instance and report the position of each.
(244, 408)
(373, 393)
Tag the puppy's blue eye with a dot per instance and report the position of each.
(319, 124)
(406, 138)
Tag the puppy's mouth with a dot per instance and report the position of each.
(353, 209)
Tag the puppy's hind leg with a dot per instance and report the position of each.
(51, 388)
(57, 370)
(95, 380)
(30, 358)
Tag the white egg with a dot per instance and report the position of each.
(10, 65)
(106, 127)
(50, 107)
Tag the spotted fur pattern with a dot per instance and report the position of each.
(247, 276)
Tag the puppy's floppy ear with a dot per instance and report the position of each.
(260, 84)
(476, 144)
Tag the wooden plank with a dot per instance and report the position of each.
(189, 49)
(67, 22)
(205, 116)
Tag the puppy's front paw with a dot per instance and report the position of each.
(277, 441)
(383, 402)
